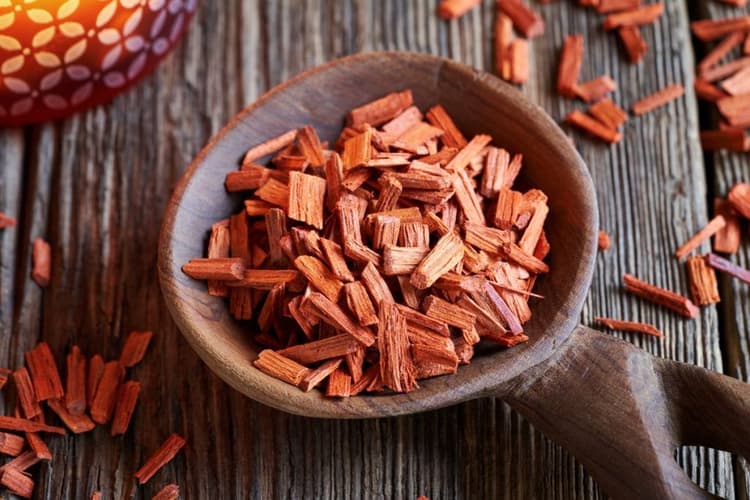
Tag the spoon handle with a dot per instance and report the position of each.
(623, 412)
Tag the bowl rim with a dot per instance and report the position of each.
(260, 387)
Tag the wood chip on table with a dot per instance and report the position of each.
(629, 326)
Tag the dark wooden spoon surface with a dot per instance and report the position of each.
(621, 411)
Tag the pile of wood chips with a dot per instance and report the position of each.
(724, 79)
(94, 393)
(381, 261)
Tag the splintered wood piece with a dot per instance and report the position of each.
(636, 17)
(593, 127)
(385, 231)
(629, 326)
(41, 262)
(135, 348)
(93, 376)
(526, 21)
(467, 199)
(503, 38)
(222, 269)
(415, 139)
(17, 482)
(444, 311)
(38, 446)
(10, 444)
(609, 113)
(339, 384)
(501, 308)
(569, 69)
(390, 191)
(402, 260)
(319, 374)
(431, 361)
(357, 150)
(330, 313)
(721, 50)
(725, 70)
(609, 6)
(716, 224)
(444, 256)
(126, 401)
(400, 124)
(265, 279)
(268, 147)
(163, 455)
(376, 285)
(452, 9)
(658, 99)
(218, 247)
(44, 374)
(396, 365)
(310, 147)
(380, 110)
(274, 192)
(472, 149)
(711, 29)
(725, 266)
(25, 393)
(439, 117)
(321, 350)
(75, 382)
(414, 234)
(633, 43)
(103, 403)
(495, 169)
(349, 222)
(169, 492)
(415, 319)
(670, 300)
(517, 255)
(519, 61)
(739, 198)
(23, 461)
(360, 304)
(727, 239)
(355, 362)
(702, 277)
(250, 178)
(334, 256)
(6, 221)
(534, 229)
(307, 198)
(486, 238)
(603, 241)
(708, 91)
(334, 174)
(319, 276)
(595, 89)
(76, 423)
(276, 229)
(280, 367)
(23, 425)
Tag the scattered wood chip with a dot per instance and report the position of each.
(703, 286)
(666, 298)
(658, 99)
(163, 455)
(629, 326)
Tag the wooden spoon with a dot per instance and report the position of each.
(619, 410)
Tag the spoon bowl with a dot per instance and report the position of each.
(621, 411)
(321, 97)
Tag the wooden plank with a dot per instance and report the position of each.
(730, 168)
(98, 182)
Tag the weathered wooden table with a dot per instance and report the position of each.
(95, 187)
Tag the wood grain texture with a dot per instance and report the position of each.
(729, 168)
(96, 186)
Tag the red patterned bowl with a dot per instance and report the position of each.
(58, 57)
